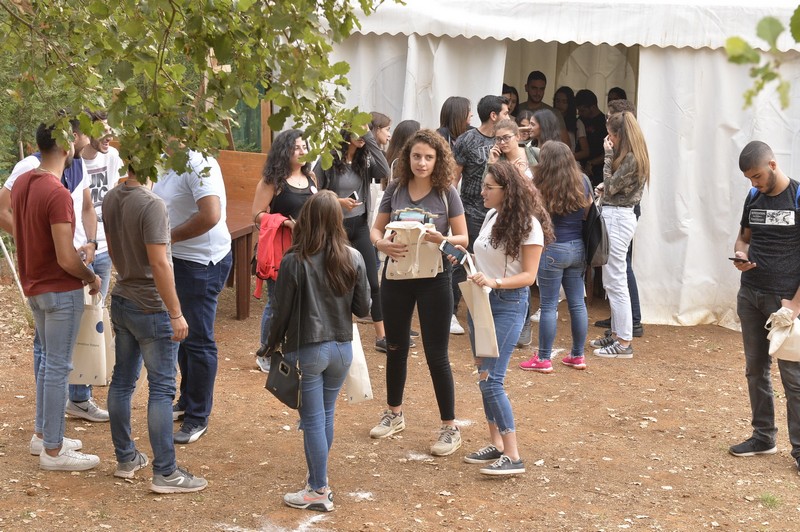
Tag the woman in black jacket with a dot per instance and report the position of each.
(322, 283)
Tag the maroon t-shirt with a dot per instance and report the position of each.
(40, 200)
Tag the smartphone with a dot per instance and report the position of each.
(738, 259)
(449, 249)
(353, 196)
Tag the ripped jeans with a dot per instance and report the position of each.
(509, 308)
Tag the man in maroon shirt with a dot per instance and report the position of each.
(53, 276)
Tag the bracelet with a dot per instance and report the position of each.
(176, 317)
(376, 243)
(92, 241)
(255, 218)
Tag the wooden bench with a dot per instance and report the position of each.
(241, 172)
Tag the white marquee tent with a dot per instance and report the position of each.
(668, 55)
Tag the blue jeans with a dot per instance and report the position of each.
(562, 263)
(266, 316)
(58, 318)
(198, 287)
(143, 336)
(508, 309)
(324, 366)
(754, 308)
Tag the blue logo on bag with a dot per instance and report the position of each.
(99, 327)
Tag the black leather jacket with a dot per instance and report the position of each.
(317, 315)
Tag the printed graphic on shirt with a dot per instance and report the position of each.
(98, 188)
(414, 214)
(772, 217)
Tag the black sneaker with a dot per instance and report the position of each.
(504, 466)
(483, 456)
(604, 324)
(753, 447)
(380, 345)
(414, 334)
(638, 331)
(177, 412)
(189, 433)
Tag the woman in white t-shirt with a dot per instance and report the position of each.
(507, 253)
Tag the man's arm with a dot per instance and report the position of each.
(165, 284)
(208, 214)
(89, 220)
(68, 258)
(6, 216)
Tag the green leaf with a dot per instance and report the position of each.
(123, 71)
(244, 5)
(784, 88)
(250, 95)
(794, 25)
(769, 29)
(740, 52)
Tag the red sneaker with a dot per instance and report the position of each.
(534, 364)
(574, 362)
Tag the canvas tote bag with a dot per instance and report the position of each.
(357, 383)
(89, 358)
(477, 299)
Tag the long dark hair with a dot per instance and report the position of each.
(443, 169)
(319, 229)
(549, 128)
(401, 134)
(571, 116)
(559, 179)
(453, 115)
(277, 168)
(360, 161)
(520, 203)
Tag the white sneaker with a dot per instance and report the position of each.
(449, 441)
(87, 410)
(455, 327)
(68, 460)
(538, 314)
(37, 444)
(263, 363)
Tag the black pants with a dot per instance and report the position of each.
(434, 301)
(358, 234)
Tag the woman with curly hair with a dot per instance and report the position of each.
(566, 195)
(507, 255)
(626, 171)
(286, 184)
(361, 162)
(421, 182)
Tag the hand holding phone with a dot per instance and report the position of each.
(449, 249)
(738, 259)
(353, 196)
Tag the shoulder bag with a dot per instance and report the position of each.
(285, 380)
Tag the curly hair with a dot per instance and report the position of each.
(443, 168)
(559, 179)
(520, 203)
(277, 168)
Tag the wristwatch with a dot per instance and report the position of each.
(90, 241)
(499, 282)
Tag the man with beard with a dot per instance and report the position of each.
(52, 275)
(767, 252)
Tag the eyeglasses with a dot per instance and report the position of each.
(504, 139)
(486, 186)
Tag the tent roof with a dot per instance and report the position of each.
(678, 23)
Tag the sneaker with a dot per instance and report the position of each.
(455, 327)
(638, 331)
(615, 350)
(483, 456)
(536, 316)
(537, 364)
(603, 324)
(752, 447)
(605, 341)
(127, 469)
(87, 410)
(308, 499)
(37, 444)
(415, 334)
(380, 345)
(389, 424)
(504, 466)
(263, 362)
(179, 481)
(574, 362)
(177, 413)
(68, 460)
(525, 335)
(189, 433)
(449, 441)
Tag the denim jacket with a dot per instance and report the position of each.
(316, 314)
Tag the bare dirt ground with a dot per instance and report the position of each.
(626, 444)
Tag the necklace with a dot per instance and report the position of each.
(45, 170)
(297, 182)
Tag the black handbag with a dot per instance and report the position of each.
(595, 235)
(285, 380)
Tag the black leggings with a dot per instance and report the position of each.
(358, 233)
(434, 301)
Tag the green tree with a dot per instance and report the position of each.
(172, 71)
(740, 51)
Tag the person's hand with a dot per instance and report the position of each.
(792, 304)
(434, 236)
(290, 223)
(743, 266)
(481, 280)
(452, 259)
(94, 286)
(349, 204)
(494, 154)
(180, 329)
(608, 145)
(392, 249)
(87, 252)
(599, 190)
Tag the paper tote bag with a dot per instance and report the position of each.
(89, 357)
(784, 335)
(357, 383)
(423, 260)
(480, 310)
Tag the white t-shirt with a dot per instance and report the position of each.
(494, 263)
(181, 192)
(103, 176)
(29, 163)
